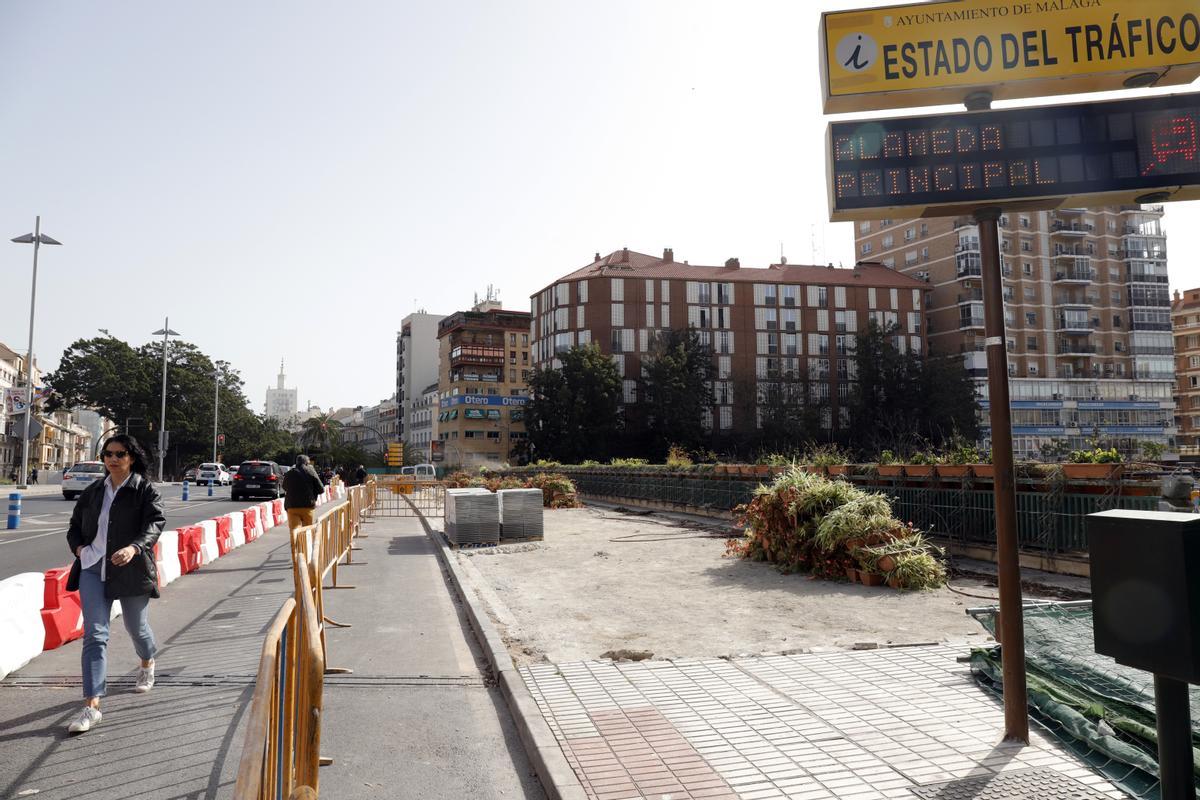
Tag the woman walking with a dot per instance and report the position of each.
(112, 534)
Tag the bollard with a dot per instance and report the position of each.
(185, 488)
(210, 487)
(14, 510)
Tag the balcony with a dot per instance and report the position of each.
(1155, 209)
(969, 271)
(967, 246)
(1071, 228)
(971, 295)
(1071, 347)
(472, 354)
(963, 222)
(1147, 253)
(1074, 324)
(1144, 350)
(972, 321)
(1075, 275)
(1067, 301)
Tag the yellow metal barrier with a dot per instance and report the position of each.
(281, 753)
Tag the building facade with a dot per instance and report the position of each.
(482, 389)
(1087, 316)
(424, 423)
(416, 365)
(1185, 326)
(281, 401)
(763, 324)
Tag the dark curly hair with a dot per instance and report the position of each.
(140, 459)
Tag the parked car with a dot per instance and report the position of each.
(217, 473)
(80, 477)
(257, 479)
(190, 474)
(420, 471)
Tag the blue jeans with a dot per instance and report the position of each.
(96, 612)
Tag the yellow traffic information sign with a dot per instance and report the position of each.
(937, 53)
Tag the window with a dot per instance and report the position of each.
(618, 289)
(664, 315)
(665, 287)
(1031, 343)
(726, 417)
(864, 226)
(1027, 268)
(493, 434)
(865, 248)
(1027, 247)
(512, 340)
(789, 296)
(512, 376)
(629, 391)
(1031, 319)
(839, 297)
(888, 241)
(1033, 369)
(895, 298)
(1030, 293)
(581, 291)
(649, 290)
(1116, 320)
(871, 297)
(822, 297)
(618, 314)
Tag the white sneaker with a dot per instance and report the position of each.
(87, 719)
(145, 679)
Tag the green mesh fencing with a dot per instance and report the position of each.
(1101, 710)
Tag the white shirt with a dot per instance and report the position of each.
(98, 549)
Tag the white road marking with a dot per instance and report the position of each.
(35, 536)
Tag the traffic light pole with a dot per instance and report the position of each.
(1010, 628)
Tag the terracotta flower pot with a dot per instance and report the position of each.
(762, 470)
(870, 578)
(918, 470)
(854, 544)
(838, 469)
(890, 470)
(952, 470)
(983, 470)
(1094, 472)
(893, 582)
(886, 563)
(852, 574)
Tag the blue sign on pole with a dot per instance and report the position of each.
(484, 400)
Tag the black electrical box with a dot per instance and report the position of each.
(1146, 590)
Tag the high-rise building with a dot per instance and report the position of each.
(281, 401)
(763, 324)
(483, 389)
(1087, 316)
(416, 365)
(1185, 325)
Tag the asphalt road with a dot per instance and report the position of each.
(40, 543)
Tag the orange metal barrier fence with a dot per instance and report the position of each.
(281, 753)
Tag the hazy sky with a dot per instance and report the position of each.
(289, 179)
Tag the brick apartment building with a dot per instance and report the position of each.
(483, 369)
(1185, 325)
(761, 323)
(1087, 316)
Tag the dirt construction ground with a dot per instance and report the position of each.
(607, 580)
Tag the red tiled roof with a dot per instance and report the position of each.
(1187, 300)
(631, 264)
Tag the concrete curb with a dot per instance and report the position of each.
(556, 775)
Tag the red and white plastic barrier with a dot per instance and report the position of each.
(22, 633)
(224, 534)
(191, 538)
(62, 612)
(267, 513)
(280, 514)
(237, 528)
(209, 551)
(251, 524)
(166, 557)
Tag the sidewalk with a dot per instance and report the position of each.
(417, 719)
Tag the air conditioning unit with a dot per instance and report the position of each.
(1133, 397)
(1057, 396)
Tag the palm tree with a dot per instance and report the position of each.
(321, 432)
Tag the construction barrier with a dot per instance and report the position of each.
(21, 630)
(62, 612)
(237, 528)
(166, 557)
(224, 535)
(281, 752)
(267, 515)
(277, 508)
(191, 540)
(209, 551)
(250, 524)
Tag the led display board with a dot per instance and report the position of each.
(1077, 155)
(936, 53)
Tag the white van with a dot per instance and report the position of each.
(425, 472)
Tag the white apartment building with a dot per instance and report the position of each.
(281, 401)
(416, 365)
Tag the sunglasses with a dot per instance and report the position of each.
(114, 453)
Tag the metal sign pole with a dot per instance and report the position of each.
(1011, 628)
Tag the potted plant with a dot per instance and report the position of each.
(958, 457)
(829, 458)
(921, 465)
(889, 466)
(1096, 463)
(868, 578)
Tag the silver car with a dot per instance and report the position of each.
(80, 477)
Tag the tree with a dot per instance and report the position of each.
(574, 411)
(905, 401)
(791, 415)
(676, 397)
(321, 432)
(124, 384)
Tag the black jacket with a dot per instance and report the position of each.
(301, 487)
(136, 518)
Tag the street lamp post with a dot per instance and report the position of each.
(216, 403)
(162, 426)
(37, 239)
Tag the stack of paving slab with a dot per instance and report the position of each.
(520, 514)
(472, 517)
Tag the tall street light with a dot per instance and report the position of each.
(162, 426)
(216, 403)
(37, 239)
